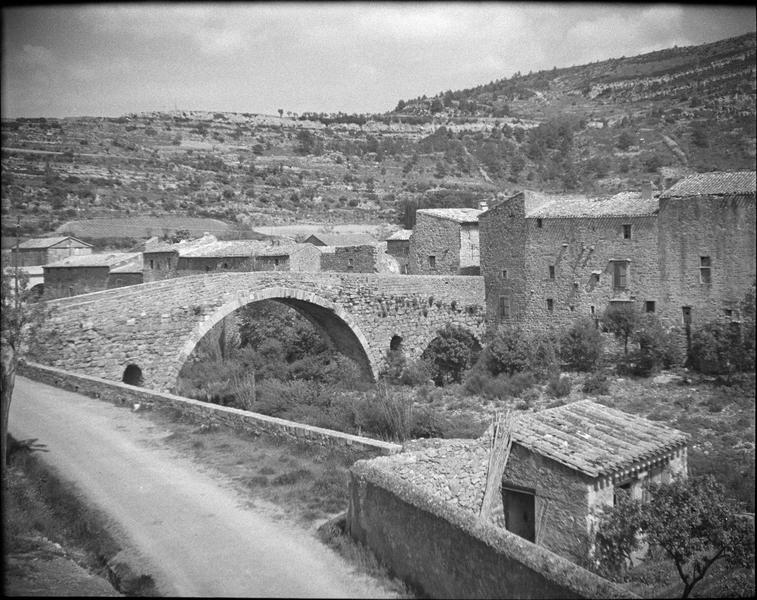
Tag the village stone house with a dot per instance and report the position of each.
(445, 241)
(91, 273)
(291, 257)
(565, 464)
(351, 259)
(398, 246)
(43, 251)
(687, 255)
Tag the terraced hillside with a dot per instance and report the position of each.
(599, 128)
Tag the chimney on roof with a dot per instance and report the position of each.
(646, 190)
(483, 205)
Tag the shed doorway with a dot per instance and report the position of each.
(520, 511)
(132, 375)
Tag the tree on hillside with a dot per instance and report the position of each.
(691, 520)
(22, 314)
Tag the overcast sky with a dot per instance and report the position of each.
(108, 60)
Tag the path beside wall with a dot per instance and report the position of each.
(256, 423)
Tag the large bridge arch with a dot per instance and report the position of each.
(330, 318)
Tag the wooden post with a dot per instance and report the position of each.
(499, 453)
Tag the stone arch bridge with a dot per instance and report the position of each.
(157, 325)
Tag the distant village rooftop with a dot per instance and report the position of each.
(709, 184)
(459, 215)
(342, 239)
(401, 235)
(111, 259)
(48, 242)
(223, 249)
(624, 204)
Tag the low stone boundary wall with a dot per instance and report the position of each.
(122, 393)
(447, 553)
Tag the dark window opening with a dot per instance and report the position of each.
(626, 488)
(432, 261)
(649, 306)
(504, 307)
(619, 275)
(686, 310)
(705, 275)
(504, 273)
(550, 304)
(539, 223)
(626, 232)
(728, 312)
(152, 265)
(551, 272)
(396, 343)
(520, 512)
(225, 265)
(207, 268)
(132, 375)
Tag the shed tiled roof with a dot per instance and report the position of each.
(111, 259)
(133, 266)
(459, 215)
(594, 439)
(717, 183)
(344, 239)
(287, 250)
(402, 235)
(154, 245)
(624, 204)
(48, 242)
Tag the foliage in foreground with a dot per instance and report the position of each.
(691, 520)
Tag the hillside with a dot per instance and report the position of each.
(597, 128)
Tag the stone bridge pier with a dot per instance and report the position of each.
(156, 326)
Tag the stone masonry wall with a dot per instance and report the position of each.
(722, 228)
(448, 553)
(561, 496)
(61, 282)
(351, 259)
(578, 248)
(469, 246)
(440, 238)
(157, 325)
(159, 265)
(124, 394)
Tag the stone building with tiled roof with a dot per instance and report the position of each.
(42, 251)
(445, 241)
(398, 246)
(687, 254)
(91, 273)
(565, 464)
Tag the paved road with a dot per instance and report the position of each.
(191, 529)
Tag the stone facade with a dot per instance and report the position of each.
(157, 325)
(43, 251)
(83, 274)
(551, 259)
(398, 246)
(350, 259)
(445, 241)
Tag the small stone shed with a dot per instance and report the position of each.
(565, 463)
(90, 273)
(445, 242)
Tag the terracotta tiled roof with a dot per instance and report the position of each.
(459, 215)
(402, 235)
(344, 239)
(718, 183)
(49, 242)
(624, 204)
(593, 438)
(111, 259)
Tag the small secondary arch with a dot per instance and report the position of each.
(330, 318)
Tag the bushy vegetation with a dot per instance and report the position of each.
(452, 352)
(581, 346)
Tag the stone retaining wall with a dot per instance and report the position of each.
(448, 553)
(122, 393)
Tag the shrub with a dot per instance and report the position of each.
(453, 351)
(581, 345)
(514, 351)
(622, 320)
(715, 348)
(656, 348)
(501, 387)
(558, 386)
(597, 383)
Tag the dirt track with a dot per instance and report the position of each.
(192, 532)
